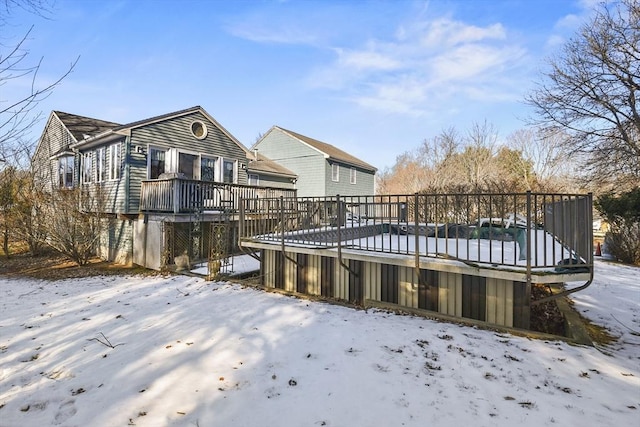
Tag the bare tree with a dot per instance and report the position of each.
(547, 155)
(19, 115)
(74, 222)
(591, 94)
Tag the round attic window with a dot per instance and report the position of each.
(199, 130)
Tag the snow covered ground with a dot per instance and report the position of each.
(180, 351)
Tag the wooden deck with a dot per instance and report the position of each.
(179, 195)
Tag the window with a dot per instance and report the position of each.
(207, 169)
(65, 171)
(87, 167)
(228, 171)
(115, 159)
(187, 165)
(101, 164)
(352, 176)
(156, 162)
(199, 130)
(254, 179)
(335, 172)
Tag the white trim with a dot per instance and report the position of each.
(101, 164)
(166, 158)
(204, 128)
(257, 179)
(117, 149)
(86, 177)
(335, 177)
(235, 170)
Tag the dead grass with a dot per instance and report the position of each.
(52, 266)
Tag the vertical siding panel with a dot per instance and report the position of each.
(508, 303)
(280, 270)
(402, 288)
(428, 290)
(467, 295)
(389, 283)
(327, 279)
(263, 267)
(492, 300)
(337, 281)
(376, 282)
(457, 280)
(501, 286)
(443, 293)
(269, 268)
(290, 284)
(356, 281)
(373, 281)
(408, 295)
(367, 280)
(450, 295)
(302, 284)
(345, 281)
(311, 275)
(474, 297)
(520, 305)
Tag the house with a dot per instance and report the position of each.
(168, 184)
(322, 169)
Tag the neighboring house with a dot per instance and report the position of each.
(265, 172)
(166, 181)
(322, 169)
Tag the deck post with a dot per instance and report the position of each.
(176, 195)
(527, 308)
(416, 232)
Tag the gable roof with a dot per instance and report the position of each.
(122, 129)
(329, 150)
(81, 126)
(260, 164)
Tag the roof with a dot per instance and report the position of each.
(81, 126)
(108, 132)
(267, 166)
(160, 118)
(329, 150)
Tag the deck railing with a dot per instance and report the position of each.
(525, 231)
(179, 195)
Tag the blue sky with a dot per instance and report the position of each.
(374, 78)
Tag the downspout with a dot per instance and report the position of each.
(528, 246)
(127, 180)
(417, 238)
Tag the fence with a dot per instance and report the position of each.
(179, 195)
(528, 231)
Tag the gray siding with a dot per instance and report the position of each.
(113, 193)
(54, 138)
(364, 181)
(307, 163)
(312, 168)
(274, 181)
(116, 241)
(176, 133)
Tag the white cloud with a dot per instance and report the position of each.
(425, 65)
(445, 32)
(366, 60)
(272, 35)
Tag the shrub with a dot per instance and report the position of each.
(622, 212)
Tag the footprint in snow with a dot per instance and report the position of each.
(67, 410)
